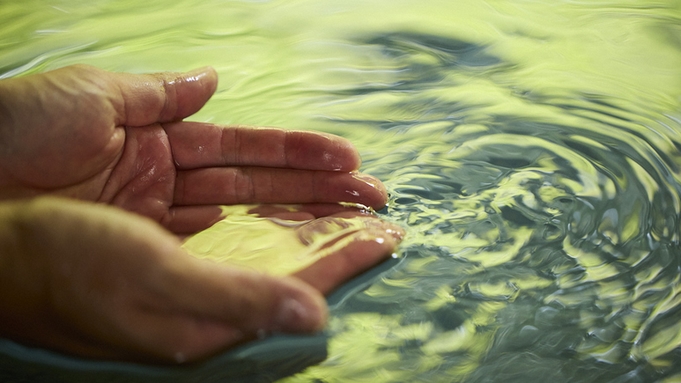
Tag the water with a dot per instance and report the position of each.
(531, 149)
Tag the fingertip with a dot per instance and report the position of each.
(320, 151)
(163, 97)
(351, 160)
(372, 193)
(191, 90)
(206, 75)
(302, 310)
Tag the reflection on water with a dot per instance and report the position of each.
(531, 149)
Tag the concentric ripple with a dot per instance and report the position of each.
(543, 237)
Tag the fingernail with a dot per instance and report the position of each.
(196, 74)
(379, 194)
(295, 316)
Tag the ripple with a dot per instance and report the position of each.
(531, 150)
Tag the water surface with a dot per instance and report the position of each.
(531, 149)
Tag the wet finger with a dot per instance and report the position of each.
(191, 219)
(246, 300)
(364, 250)
(162, 97)
(231, 186)
(199, 145)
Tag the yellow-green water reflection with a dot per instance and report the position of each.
(531, 149)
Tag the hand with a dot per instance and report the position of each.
(90, 134)
(104, 283)
(100, 282)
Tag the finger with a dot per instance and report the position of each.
(162, 97)
(197, 145)
(202, 308)
(247, 300)
(265, 185)
(191, 219)
(365, 249)
(308, 211)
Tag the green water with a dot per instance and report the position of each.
(532, 150)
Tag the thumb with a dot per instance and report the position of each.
(248, 300)
(163, 97)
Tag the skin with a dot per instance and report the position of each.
(100, 177)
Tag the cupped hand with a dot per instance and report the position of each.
(99, 282)
(117, 138)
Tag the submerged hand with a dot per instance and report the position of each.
(105, 283)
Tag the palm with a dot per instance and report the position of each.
(143, 177)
